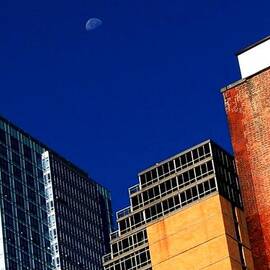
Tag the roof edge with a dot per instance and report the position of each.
(252, 45)
(224, 89)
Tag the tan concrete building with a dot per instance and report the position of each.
(185, 214)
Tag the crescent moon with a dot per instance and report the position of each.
(93, 23)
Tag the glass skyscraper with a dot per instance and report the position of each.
(53, 216)
(79, 215)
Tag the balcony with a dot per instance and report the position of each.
(106, 258)
(134, 189)
(122, 213)
(114, 235)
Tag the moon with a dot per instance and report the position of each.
(93, 23)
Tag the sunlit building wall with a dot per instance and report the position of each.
(185, 213)
(247, 104)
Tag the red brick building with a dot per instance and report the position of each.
(247, 104)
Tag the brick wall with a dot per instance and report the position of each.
(247, 106)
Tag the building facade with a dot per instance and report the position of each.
(247, 104)
(79, 215)
(185, 213)
(36, 199)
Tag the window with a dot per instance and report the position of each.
(30, 181)
(206, 149)
(137, 218)
(17, 172)
(188, 194)
(28, 167)
(165, 206)
(14, 144)
(203, 168)
(8, 207)
(12, 253)
(143, 179)
(160, 171)
(171, 165)
(180, 180)
(154, 174)
(27, 152)
(6, 193)
(3, 164)
(206, 186)
(20, 201)
(201, 152)
(32, 209)
(9, 222)
(151, 193)
(191, 174)
(10, 236)
(135, 201)
(200, 189)
(174, 183)
(171, 203)
(5, 179)
(183, 160)
(34, 223)
(114, 248)
(194, 192)
(145, 196)
(18, 187)
(3, 151)
(209, 166)
(23, 244)
(162, 188)
(21, 215)
(2, 136)
(195, 154)
(31, 195)
(166, 168)
(212, 183)
(177, 163)
(148, 177)
(186, 177)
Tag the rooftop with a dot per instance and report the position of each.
(252, 45)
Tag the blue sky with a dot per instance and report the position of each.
(142, 87)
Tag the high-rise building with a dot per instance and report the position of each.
(79, 215)
(53, 216)
(185, 213)
(247, 104)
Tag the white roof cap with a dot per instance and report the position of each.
(254, 58)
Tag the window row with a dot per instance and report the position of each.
(23, 221)
(174, 165)
(129, 243)
(18, 257)
(135, 260)
(180, 200)
(18, 146)
(21, 214)
(172, 184)
(160, 209)
(228, 176)
(69, 176)
(231, 194)
(27, 181)
(19, 168)
(223, 158)
(131, 222)
(29, 199)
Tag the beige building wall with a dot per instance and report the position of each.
(202, 236)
